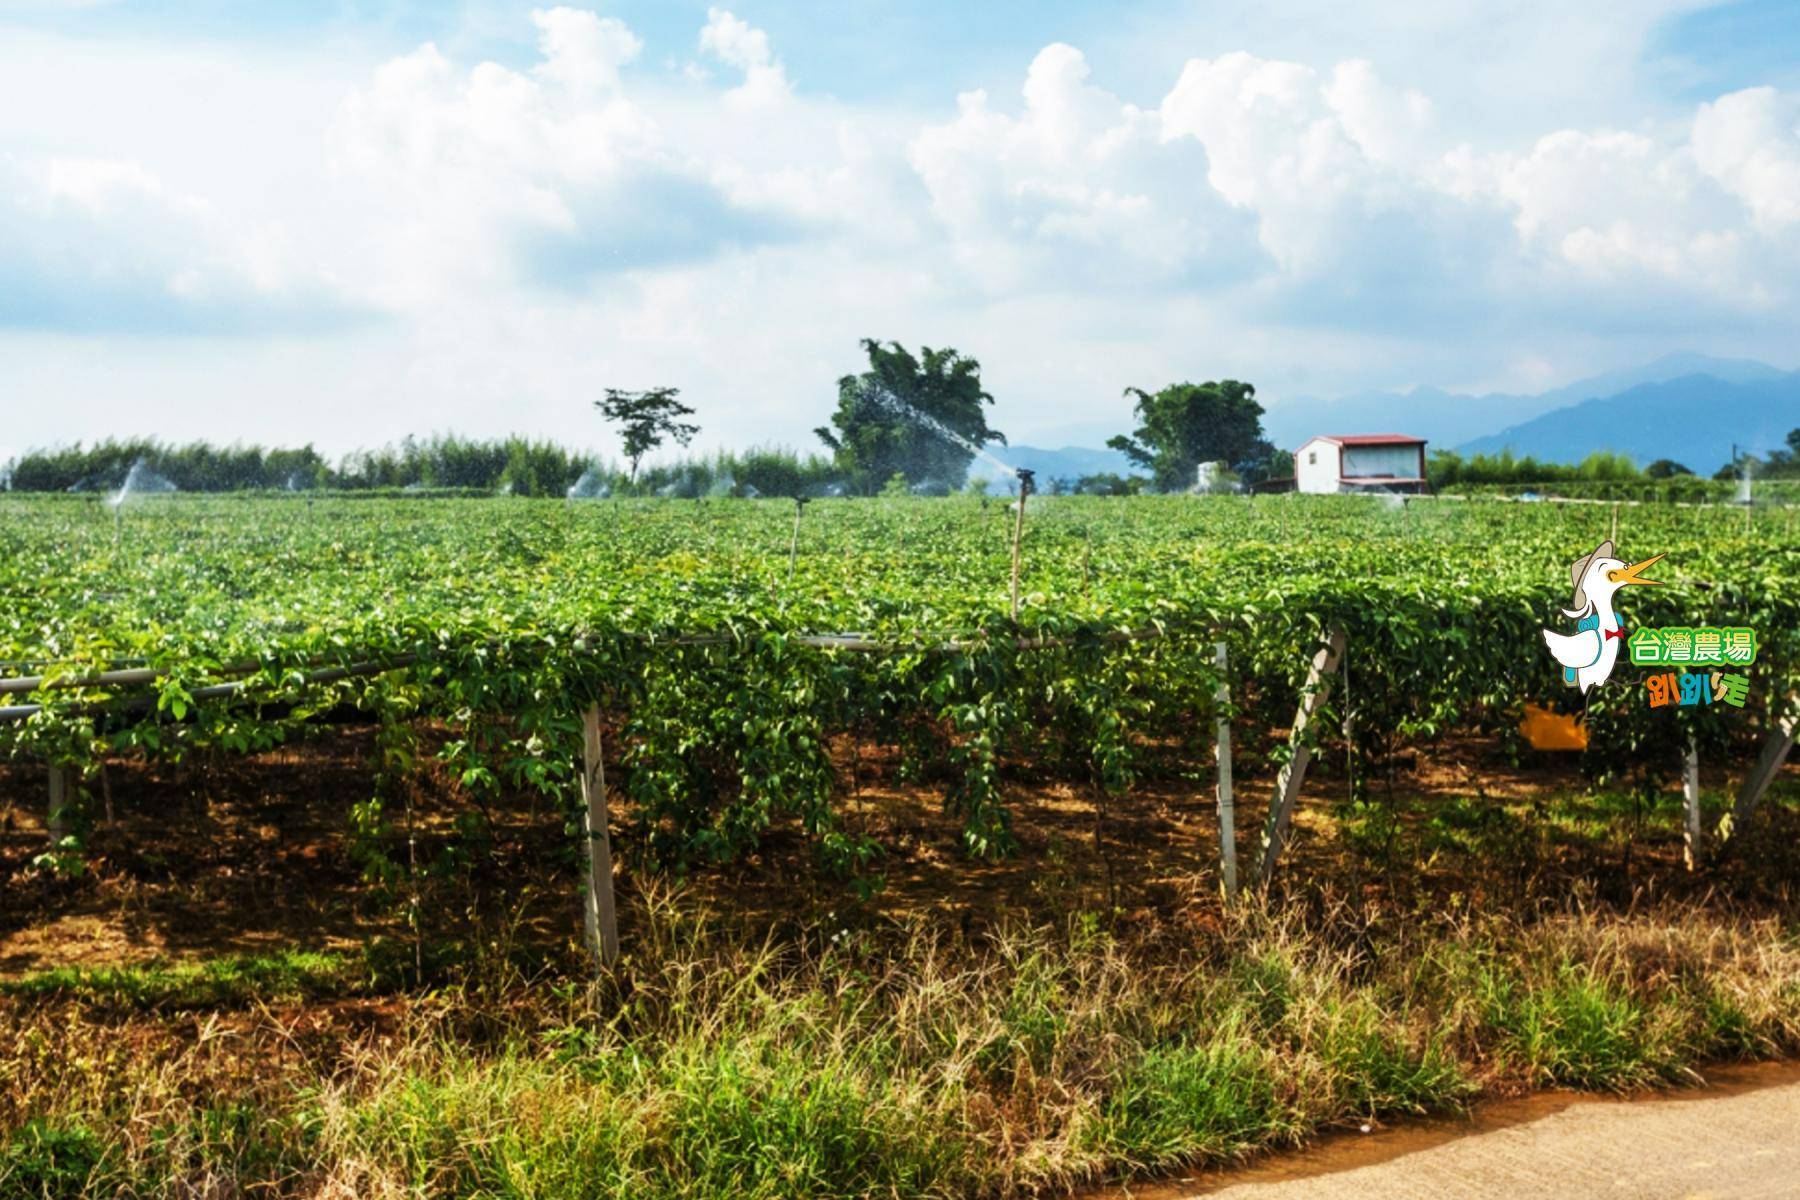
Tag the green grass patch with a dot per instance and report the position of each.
(1580, 1029)
(1208, 1099)
(45, 1159)
(914, 1064)
(287, 974)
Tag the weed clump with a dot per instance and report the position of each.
(900, 1062)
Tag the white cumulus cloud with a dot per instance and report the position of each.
(739, 44)
(1078, 189)
(552, 176)
(101, 245)
(583, 51)
(1750, 142)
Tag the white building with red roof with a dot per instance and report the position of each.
(1360, 462)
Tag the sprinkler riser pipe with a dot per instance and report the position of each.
(1026, 476)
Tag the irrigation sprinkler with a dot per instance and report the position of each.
(794, 542)
(1026, 476)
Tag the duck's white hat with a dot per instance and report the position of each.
(1578, 573)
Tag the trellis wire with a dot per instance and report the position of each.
(855, 642)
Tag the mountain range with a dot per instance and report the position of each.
(1692, 408)
(1696, 420)
(1457, 419)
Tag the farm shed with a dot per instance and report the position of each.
(1360, 462)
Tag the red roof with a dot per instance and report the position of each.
(1370, 439)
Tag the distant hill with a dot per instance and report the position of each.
(1688, 407)
(1453, 418)
(1693, 420)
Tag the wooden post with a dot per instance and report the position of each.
(1227, 809)
(1018, 535)
(1768, 765)
(602, 918)
(1287, 784)
(56, 814)
(1690, 794)
(794, 542)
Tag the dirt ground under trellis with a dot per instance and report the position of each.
(253, 853)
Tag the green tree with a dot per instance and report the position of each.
(1784, 462)
(1265, 463)
(1442, 468)
(645, 419)
(1186, 424)
(1739, 466)
(921, 417)
(1108, 484)
(1607, 465)
(1665, 468)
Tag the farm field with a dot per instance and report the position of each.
(678, 618)
(933, 910)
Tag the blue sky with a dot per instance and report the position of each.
(341, 223)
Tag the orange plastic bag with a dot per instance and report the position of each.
(1547, 730)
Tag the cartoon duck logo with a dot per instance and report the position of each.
(1587, 655)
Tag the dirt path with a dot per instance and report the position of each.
(1739, 1137)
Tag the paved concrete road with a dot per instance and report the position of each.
(1739, 1138)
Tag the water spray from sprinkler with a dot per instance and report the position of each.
(591, 486)
(879, 396)
(140, 479)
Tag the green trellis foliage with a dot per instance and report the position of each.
(513, 615)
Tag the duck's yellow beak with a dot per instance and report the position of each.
(1630, 574)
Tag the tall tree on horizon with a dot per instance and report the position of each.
(920, 417)
(645, 419)
(1186, 424)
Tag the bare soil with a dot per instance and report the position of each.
(252, 853)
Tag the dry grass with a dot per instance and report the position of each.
(885, 1060)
